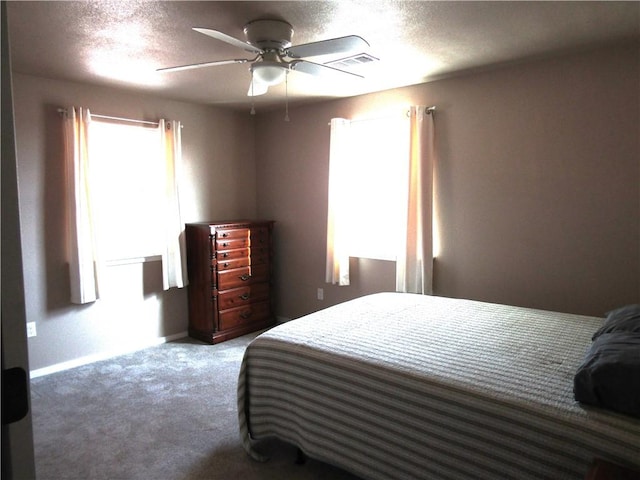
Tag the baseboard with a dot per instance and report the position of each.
(59, 367)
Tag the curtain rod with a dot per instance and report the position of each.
(63, 111)
(427, 111)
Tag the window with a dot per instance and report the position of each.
(380, 199)
(128, 189)
(377, 172)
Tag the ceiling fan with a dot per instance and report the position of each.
(270, 41)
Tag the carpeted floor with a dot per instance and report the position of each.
(167, 412)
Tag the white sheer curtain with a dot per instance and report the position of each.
(337, 271)
(82, 252)
(174, 267)
(414, 264)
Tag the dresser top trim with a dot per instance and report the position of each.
(214, 225)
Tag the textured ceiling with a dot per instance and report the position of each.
(121, 43)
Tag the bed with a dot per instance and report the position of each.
(404, 386)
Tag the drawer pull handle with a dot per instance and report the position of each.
(226, 264)
(225, 235)
(245, 277)
(245, 315)
(225, 255)
(225, 244)
(244, 296)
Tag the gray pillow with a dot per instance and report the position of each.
(609, 376)
(623, 319)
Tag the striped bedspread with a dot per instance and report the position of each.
(408, 386)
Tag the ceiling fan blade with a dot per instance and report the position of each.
(257, 88)
(319, 69)
(228, 39)
(201, 65)
(324, 47)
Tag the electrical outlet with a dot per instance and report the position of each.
(320, 294)
(31, 329)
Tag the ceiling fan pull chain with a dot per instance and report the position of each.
(253, 102)
(286, 96)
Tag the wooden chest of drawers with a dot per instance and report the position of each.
(229, 267)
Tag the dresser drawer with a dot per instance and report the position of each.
(250, 256)
(245, 257)
(259, 255)
(241, 237)
(233, 263)
(229, 233)
(259, 236)
(253, 312)
(238, 297)
(232, 243)
(239, 277)
(231, 254)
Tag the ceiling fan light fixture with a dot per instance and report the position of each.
(269, 73)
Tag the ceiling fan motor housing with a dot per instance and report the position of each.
(269, 34)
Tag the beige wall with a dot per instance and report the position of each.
(538, 180)
(220, 183)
